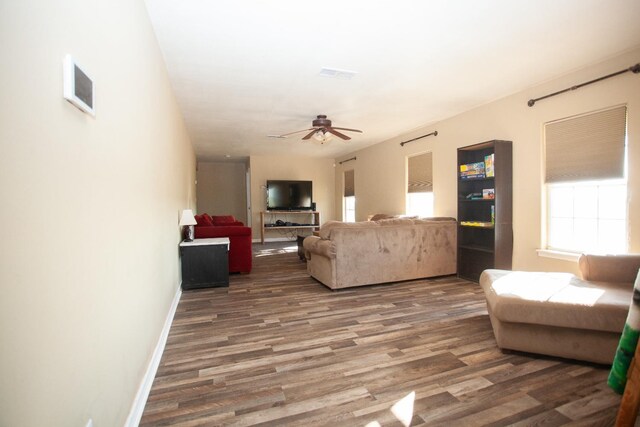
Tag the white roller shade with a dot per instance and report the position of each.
(420, 174)
(349, 184)
(585, 148)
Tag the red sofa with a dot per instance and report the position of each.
(240, 255)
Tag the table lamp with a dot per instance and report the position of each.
(187, 220)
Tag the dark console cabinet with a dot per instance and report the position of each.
(205, 263)
(485, 232)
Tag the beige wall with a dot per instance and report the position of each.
(320, 171)
(221, 189)
(380, 170)
(89, 220)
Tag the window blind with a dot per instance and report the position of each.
(420, 174)
(349, 184)
(585, 148)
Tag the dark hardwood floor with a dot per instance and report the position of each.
(278, 348)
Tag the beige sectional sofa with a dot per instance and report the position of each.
(389, 250)
(559, 314)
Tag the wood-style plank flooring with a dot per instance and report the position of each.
(278, 348)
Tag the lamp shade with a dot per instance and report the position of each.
(187, 218)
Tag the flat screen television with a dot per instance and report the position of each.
(289, 195)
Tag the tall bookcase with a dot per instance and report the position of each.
(485, 232)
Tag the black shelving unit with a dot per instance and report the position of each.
(489, 242)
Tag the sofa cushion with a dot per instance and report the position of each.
(329, 226)
(555, 299)
(378, 217)
(222, 219)
(229, 224)
(609, 268)
(396, 221)
(414, 220)
(221, 231)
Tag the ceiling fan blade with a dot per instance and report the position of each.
(284, 135)
(310, 134)
(338, 134)
(350, 130)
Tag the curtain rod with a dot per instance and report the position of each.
(635, 69)
(434, 133)
(348, 160)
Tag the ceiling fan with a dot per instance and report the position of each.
(321, 130)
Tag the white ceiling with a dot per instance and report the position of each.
(244, 69)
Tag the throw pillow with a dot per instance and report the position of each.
(206, 220)
(378, 217)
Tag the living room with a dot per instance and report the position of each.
(381, 170)
(92, 272)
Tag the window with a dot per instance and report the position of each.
(349, 203)
(420, 204)
(350, 209)
(585, 183)
(419, 200)
(588, 217)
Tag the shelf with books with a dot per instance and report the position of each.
(472, 171)
(485, 236)
(477, 224)
(478, 170)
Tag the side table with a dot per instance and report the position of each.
(205, 263)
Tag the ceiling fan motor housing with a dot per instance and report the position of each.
(321, 121)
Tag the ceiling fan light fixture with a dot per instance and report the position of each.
(322, 136)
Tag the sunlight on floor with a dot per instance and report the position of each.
(402, 410)
(276, 251)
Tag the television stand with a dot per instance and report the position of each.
(283, 216)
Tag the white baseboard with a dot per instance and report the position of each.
(145, 386)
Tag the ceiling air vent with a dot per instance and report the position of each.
(337, 73)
